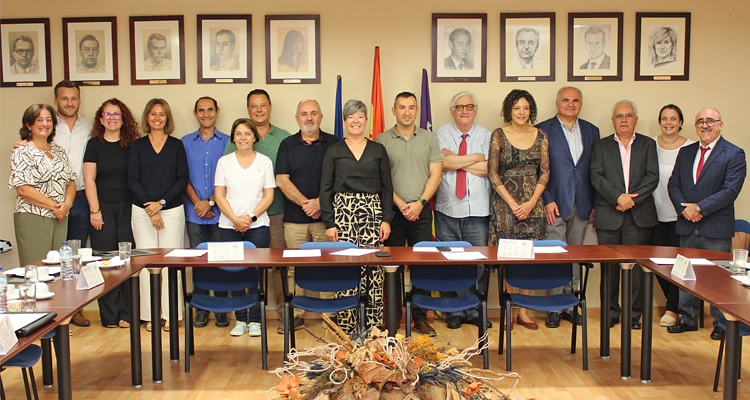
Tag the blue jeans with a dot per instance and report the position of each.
(474, 230)
(197, 234)
(261, 238)
(79, 220)
(689, 305)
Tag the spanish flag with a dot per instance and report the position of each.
(377, 118)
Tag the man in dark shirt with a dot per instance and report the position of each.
(299, 163)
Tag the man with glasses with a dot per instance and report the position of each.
(703, 187)
(569, 197)
(23, 54)
(462, 201)
(624, 172)
(225, 45)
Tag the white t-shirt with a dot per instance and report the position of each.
(244, 186)
(664, 207)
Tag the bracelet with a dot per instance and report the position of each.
(96, 212)
(402, 206)
(68, 201)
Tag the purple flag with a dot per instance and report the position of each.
(425, 119)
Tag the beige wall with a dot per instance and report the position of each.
(349, 33)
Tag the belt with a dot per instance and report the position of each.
(80, 193)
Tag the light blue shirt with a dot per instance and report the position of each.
(476, 203)
(202, 157)
(575, 141)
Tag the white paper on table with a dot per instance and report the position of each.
(8, 337)
(744, 279)
(186, 253)
(302, 253)
(435, 250)
(19, 320)
(670, 261)
(226, 251)
(549, 249)
(355, 252)
(468, 255)
(89, 277)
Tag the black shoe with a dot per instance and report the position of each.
(455, 322)
(200, 320)
(613, 321)
(221, 320)
(569, 317)
(717, 333)
(635, 325)
(476, 321)
(680, 327)
(553, 320)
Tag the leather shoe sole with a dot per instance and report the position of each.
(553, 320)
(454, 322)
(635, 325)
(221, 321)
(680, 327)
(424, 328)
(528, 325)
(201, 320)
(79, 320)
(717, 333)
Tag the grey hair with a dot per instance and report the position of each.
(300, 103)
(527, 29)
(462, 94)
(625, 102)
(352, 106)
(564, 88)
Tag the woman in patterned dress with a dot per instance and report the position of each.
(355, 183)
(45, 183)
(519, 172)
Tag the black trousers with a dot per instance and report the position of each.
(664, 235)
(405, 232)
(628, 233)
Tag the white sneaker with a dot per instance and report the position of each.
(253, 329)
(239, 329)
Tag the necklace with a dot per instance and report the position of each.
(349, 142)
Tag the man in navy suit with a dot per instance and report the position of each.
(624, 172)
(703, 187)
(569, 197)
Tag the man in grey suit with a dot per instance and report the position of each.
(625, 172)
(569, 196)
(459, 42)
(596, 39)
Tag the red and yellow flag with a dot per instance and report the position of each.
(377, 118)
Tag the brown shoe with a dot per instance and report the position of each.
(424, 328)
(79, 320)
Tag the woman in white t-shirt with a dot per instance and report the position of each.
(244, 190)
(668, 144)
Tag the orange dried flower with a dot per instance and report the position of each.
(288, 384)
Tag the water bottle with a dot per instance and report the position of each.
(3, 292)
(66, 262)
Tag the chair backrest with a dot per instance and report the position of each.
(329, 278)
(741, 225)
(443, 278)
(539, 276)
(226, 278)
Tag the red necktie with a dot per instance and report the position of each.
(700, 163)
(461, 174)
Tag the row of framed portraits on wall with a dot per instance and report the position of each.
(157, 50)
(527, 47)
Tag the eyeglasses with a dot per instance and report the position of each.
(708, 122)
(460, 107)
(108, 115)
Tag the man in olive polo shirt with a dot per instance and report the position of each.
(416, 169)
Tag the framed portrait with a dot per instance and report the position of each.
(527, 47)
(595, 46)
(459, 47)
(292, 49)
(662, 43)
(157, 50)
(25, 52)
(90, 50)
(225, 48)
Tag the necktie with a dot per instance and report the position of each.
(593, 65)
(461, 174)
(700, 163)
(461, 66)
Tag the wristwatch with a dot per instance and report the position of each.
(697, 208)
(211, 203)
(424, 202)
(253, 217)
(162, 202)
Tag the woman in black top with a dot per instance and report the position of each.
(105, 172)
(355, 183)
(157, 176)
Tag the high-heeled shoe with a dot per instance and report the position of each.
(528, 325)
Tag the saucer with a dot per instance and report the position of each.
(47, 279)
(46, 296)
(46, 261)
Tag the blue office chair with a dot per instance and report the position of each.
(744, 331)
(740, 225)
(448, 278)
(226, 279)
(323, 279)
(25, 359)
(542, 277)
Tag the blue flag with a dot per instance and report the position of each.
(425, 119)
(338, 128)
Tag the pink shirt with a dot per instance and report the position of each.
(625, 152)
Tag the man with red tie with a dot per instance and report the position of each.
(462, 201)
(706, 180)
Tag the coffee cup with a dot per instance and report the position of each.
(11, 291)
(86, 252)
(42, 290)
(53, 256)
(42, 273)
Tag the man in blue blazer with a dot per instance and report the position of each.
(569, 197)
(703, 187)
